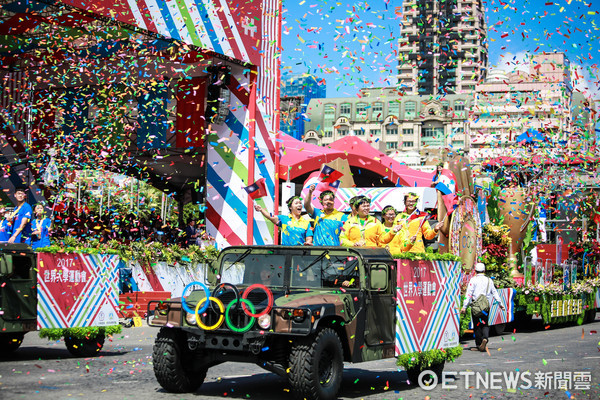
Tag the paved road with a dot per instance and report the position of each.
(123, 370)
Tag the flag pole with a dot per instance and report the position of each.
(251, 160)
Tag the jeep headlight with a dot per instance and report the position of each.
(190, 318)
(264, 321)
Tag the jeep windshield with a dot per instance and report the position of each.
(324, 271)
(249, 268)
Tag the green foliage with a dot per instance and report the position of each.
(426, 256)
(424, 359)
(541, 304)
(145, 253)
(80, 332)
(496, 243)
(528, 243)
(493, 207)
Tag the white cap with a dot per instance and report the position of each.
(480, 267)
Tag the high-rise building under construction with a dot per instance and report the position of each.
(442, 46)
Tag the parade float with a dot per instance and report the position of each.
(555, 279)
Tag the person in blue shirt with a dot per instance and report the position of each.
(40, 228)
(295, 230)
(20, 218)
(328, 221)
(5, 226)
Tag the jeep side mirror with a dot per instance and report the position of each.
(378, 277)
(6, 265)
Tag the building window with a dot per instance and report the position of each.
(407, 131)
(394, 108)
(360, 132)
(391, 145)
(458, 130)
(361, 111)
(428, 132)
(328, 133)
(458, 143)
(410, 110)
(445, 105)
(391, 130)
(377, 114)
(343, 132)
(329, 112)
(375, 132)
(345, 110)
(459, 109)
(407, 144)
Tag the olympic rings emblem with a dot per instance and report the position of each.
(225, 312)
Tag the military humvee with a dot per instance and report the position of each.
(299, 312)
(18, 295)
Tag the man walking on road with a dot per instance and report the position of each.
(480, 284)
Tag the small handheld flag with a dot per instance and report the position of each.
(329, 174)
(257, 189)
(324, 186)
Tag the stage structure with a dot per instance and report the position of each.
(183, 94)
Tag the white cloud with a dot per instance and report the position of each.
(512, 62)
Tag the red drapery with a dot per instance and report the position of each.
(191, 101)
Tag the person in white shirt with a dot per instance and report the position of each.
(478, 285)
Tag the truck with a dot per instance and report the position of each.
(299, 312)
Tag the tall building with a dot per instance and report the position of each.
(393, 123)
(442, 46)
(506, 105)
(296, 92)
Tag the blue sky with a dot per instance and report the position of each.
(352, 44)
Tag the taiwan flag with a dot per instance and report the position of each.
(257, 189)
(329, 174)
(324, 186)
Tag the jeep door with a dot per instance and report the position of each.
(380, 306)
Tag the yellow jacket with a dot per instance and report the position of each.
(395, 242)
(355, 229)
(412, 229)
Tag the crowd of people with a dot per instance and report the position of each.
(398, 231)
(33, 226)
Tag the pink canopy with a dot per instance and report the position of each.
(299, 158)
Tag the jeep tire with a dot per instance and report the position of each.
(173, 365)
(10, 342)
(86, 347)
(316, 366)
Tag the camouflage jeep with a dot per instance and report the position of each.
(299, 312)
(18, 295)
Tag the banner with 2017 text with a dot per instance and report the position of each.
(427, 305)
(77, 290)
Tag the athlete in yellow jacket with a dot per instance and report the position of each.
(361, 229)
(416, 225)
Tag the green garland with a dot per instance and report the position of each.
(424, 359)
(80, 332)
(543, 306)
(146, 253)
(426, 256)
